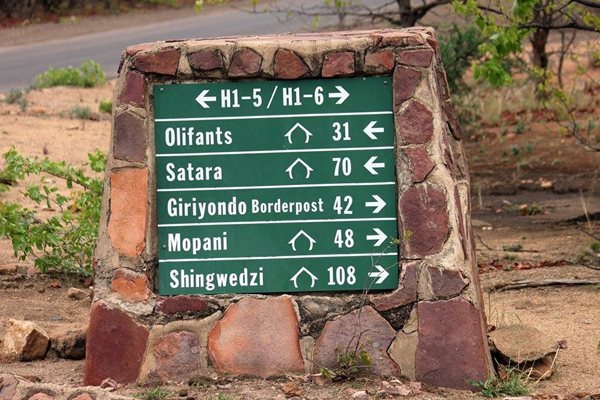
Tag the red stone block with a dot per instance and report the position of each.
(415, 124)
(130, 285)
(115, 346)
(127, 222)
(424, 220)
(177, 357)
(206, 60)
(133, 50)
(365, 326)
(177, 304)
(245, 63)
(446, 283)
(134, 89)
(420, 163)
(163, 62)
(442, 84)
(402, 40)
(257, 338)
(8, 386)
(405, 294)
(416, 58)
(451, 350)
(130, 138)
(433, 43)
(405, 84)
(380, 61)
(289, 65)
(338, 64)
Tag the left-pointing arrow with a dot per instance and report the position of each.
(203, 98)
(372, 165)
(290, 169)
(381, 274)
(371, 129)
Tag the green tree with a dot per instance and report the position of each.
(506, 26)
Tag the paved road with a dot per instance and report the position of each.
(18, 65)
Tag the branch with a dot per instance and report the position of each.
(588, 3)
(590, 234)
(571, 25)
(575, 131)
(492, 10)
(545, 282)
(428, 6)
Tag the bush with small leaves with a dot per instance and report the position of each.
(80, 112)
(65, 241)
(105, 106)
(89, 74)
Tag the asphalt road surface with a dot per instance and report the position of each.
(20, 64)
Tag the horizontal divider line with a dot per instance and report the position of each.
(273, 116)
(276, 186)
(225, 153)
(307, 221)
(278, 257)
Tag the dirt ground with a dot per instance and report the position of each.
(536, 211)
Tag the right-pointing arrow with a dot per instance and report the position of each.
(379, 237)
(381, 274)
(378, 204)
(371, 129)
(372, 165)
(341, 95)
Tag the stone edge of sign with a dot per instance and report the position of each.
(432, 328)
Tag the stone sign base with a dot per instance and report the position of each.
(431, 328)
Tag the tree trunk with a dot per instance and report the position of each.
(539, 39)
(407, 16)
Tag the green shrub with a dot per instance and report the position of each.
(16, 96)
(515, 248)
(156, 393)
(80, 112)
(65, 241)
(89, 74)
(349, 364)
(105, 106)
(511, 383)
(596, 59)
(13, 96)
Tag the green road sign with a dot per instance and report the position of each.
(276, 186)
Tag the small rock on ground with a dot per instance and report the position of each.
(77, 294)
(24, 340)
